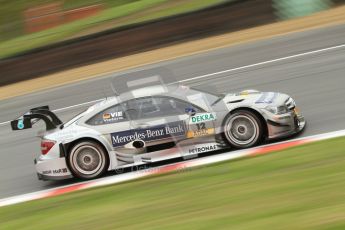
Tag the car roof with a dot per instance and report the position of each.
(149, 91)
(137, 93)
(180, 92)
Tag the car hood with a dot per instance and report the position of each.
(255, 98)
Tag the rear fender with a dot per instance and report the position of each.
(66, 147)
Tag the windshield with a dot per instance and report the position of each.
(208, 92)
(213, 98)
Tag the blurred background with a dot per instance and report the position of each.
(41, 22)
(56, 35)
(300, 188)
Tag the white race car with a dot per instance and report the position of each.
(154, 124)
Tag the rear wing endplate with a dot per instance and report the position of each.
(34, 115)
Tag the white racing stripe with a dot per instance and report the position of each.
(78, 105)
(219, 72)
(180, 166)
(265, 62)
(4, 123)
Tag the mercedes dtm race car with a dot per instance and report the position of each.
(154, 124)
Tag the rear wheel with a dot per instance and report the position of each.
(88, 160)
(243, 129)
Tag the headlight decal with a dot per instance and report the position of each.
(267, 98)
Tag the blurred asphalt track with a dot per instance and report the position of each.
(316, 81)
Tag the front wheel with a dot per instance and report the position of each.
(243, 129)
(88, 160)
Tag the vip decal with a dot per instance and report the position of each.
(173, 129)
(203, 148)
(115, 116)
(203, 117)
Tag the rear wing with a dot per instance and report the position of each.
(34, 115)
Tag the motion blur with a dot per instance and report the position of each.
(88, 86)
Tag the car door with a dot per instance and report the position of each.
(114, 125)
(176, 119)
(157, 120)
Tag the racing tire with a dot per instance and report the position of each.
(88, 160)
(243, 129)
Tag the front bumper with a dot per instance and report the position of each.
(285, 125)
(52, 169)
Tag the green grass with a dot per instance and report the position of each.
(182, 8)
(12, 12)
(134, 9)
(299, 188)
(34, 40)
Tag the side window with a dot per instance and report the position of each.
(150, 107)
(181, 106)
(110, 115)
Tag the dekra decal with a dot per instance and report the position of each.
(203, 117)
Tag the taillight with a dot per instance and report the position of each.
(46, 145)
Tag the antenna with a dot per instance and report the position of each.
(113, 89)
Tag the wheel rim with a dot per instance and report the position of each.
(87, 160)
(242, 130)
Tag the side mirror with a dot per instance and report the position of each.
(190, 111)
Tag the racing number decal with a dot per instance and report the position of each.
(201, 126)
(20, 124)
(201, 130)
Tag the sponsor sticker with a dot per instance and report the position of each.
(55, 171)
(200, 132)
(203, 148)
(58, 171)
(247, 92)
(172, 129)
(111, 117)
(199, 118)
